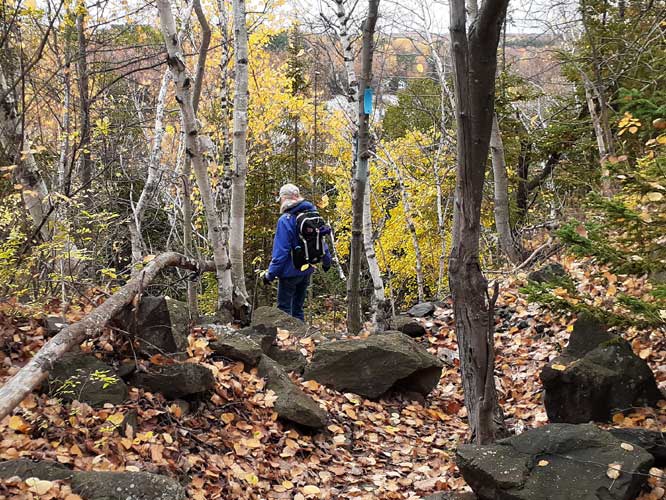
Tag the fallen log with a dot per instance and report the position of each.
(36, 370)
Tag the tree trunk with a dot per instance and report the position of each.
(85, 164)
(510, 247)
(194, 151)
(14, 140)
(237, 234)
(152, 181)
(36, 370)
(379, 298)
(378, 302)
(354, 322)
(475, 63)
(411, 227)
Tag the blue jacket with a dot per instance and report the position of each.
(286, 238)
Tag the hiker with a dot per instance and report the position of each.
(297, 247)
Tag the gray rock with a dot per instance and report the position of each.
(372, 366)
(83, 377)
(596, 375)
(126, 486)
(290, 360)
(238, 347)
(54, 324)
(549, 272)
(555, 462)
(292, 403)
(98, 485)
(175, 381)
(651, 441)
(161, 325)
(422, 310)
(24, 468)
(452, 495)
(587, 334)
(273, 317)
(408, 326)
(264, 335)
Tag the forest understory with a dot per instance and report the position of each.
(230, 445)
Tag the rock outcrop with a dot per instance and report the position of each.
(372, 366)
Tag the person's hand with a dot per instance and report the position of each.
(265, 278)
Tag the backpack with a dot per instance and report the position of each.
(311, 229)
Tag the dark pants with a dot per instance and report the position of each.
(291, 295)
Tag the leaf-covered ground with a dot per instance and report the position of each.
(232, 446)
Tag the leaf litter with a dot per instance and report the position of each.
(232, 445)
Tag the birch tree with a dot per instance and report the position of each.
(195, 152)
(508, 244)
(239, 178)
(378, 304)
(361, 174)
(474, 50)
(152, 180)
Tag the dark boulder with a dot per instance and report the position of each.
(264, 335)
(273, 317)
(292, 403)
(126, 486)
(237, 347)
(372, 366)
(54, 324)
(290, 359)
(175, 381)
(596, 375)
(83, 377)
(98, 485)
(653, 442)
(588, 333)
(161, 325)
(549, 272)
(452, 495)
(24, 468)
(555, 462)
(408, 326)
(422, 310)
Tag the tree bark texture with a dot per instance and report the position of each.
(379, 297)
(475, 62)
(16, 146)
(239, 151)
(85, 163)
(152, 181)
(36, 370)
(509, 246)
(194, 152)
(354, 321)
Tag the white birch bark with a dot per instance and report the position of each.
(237, 233)
(194, 151)
(501, 193)
(152, 181)
(379, 297)
(352, 114)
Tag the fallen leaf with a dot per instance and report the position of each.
(614, 470)
(39, 486)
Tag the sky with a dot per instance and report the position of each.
(524, 16)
